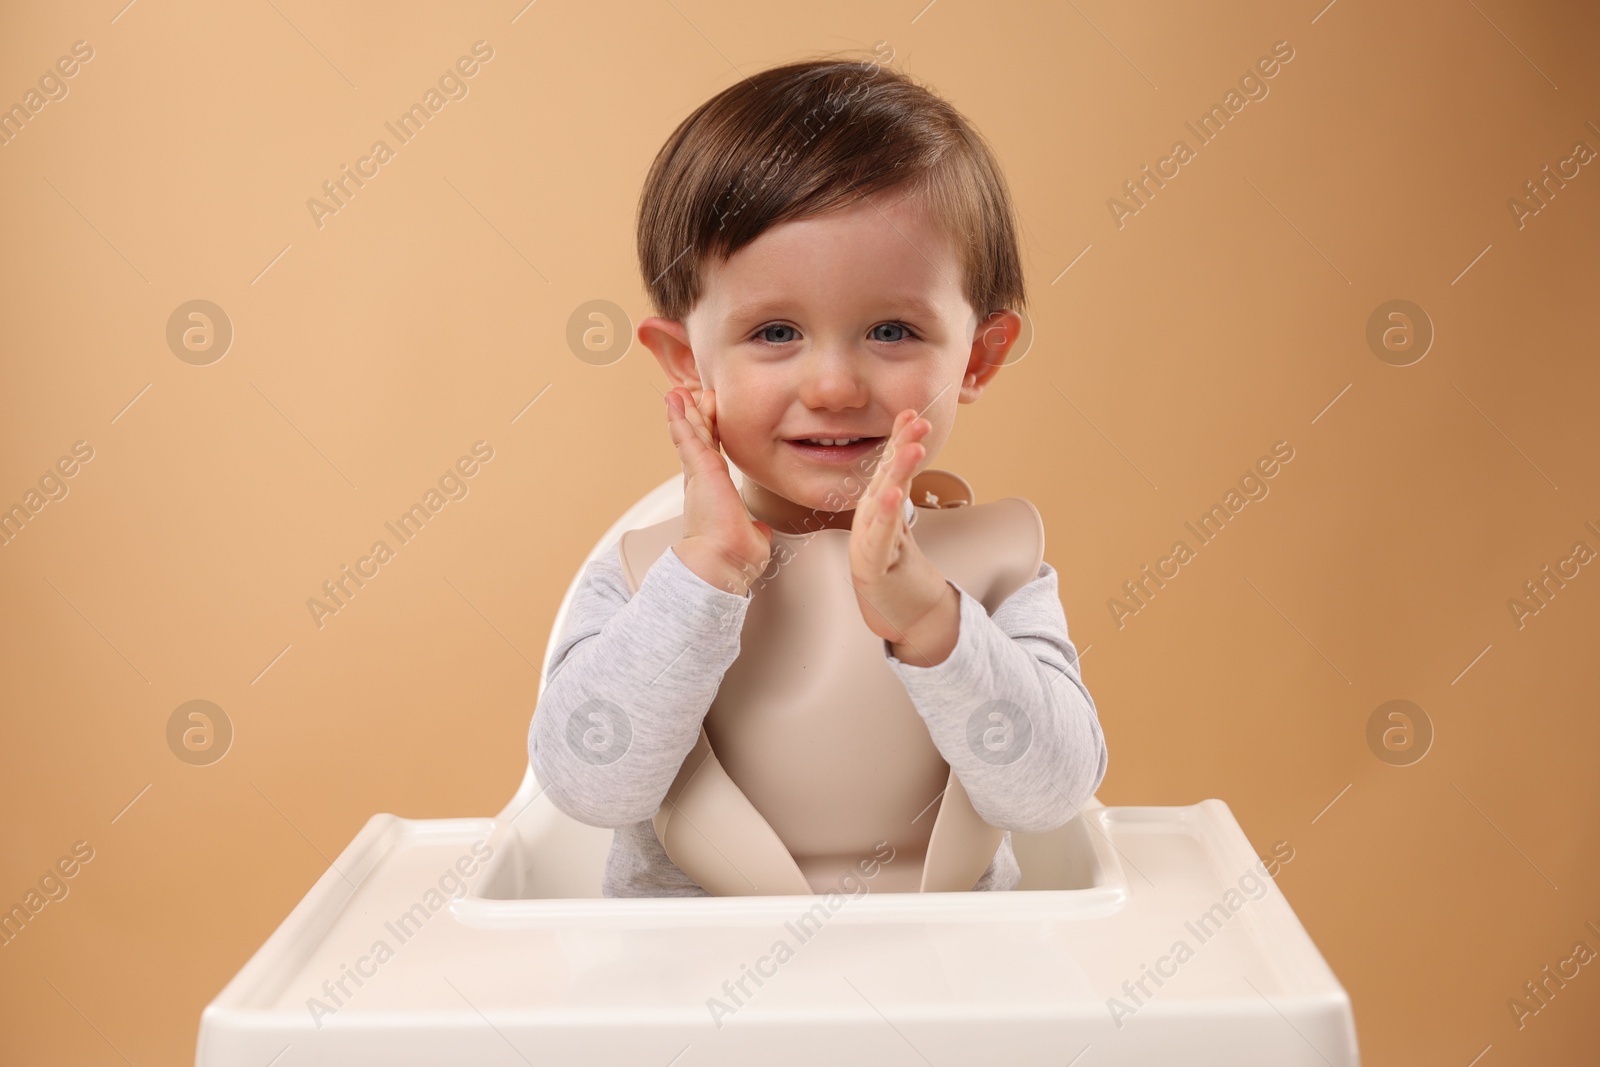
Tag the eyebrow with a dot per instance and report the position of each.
(909, 306)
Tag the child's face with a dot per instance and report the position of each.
(828, 327)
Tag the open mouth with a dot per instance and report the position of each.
(833, 450)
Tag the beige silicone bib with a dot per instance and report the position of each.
(812, 753)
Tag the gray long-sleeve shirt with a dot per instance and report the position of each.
(631, 679)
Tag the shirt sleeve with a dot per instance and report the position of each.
(628, 685)
(1009, 712)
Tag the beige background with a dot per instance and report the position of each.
(1228, 314)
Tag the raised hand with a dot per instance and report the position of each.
(720, 543)
(903, 597)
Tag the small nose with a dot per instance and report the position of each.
(833, 378)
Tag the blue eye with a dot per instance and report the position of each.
(787, 333)
(891, 326)
(761, 334)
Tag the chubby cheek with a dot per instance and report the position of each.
(743, 415)
(742, 438)
(745, 439)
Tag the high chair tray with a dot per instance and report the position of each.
(485, 941)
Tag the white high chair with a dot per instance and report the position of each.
(486, 941)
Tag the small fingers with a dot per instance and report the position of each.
(906, 449)
(677, 423)
(710, 396)
(886, 459)
(892, 463)
(681, 420)
(909, 427)
(694, 414)
(876, 533)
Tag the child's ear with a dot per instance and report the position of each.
(994, 339)
(669, 340)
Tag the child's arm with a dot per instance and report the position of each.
(1032, 767)
(639, 675)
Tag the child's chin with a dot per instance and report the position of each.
(823, 492)
(814, 491)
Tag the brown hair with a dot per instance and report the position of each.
(806, 138)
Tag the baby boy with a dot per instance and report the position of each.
(832, 253)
